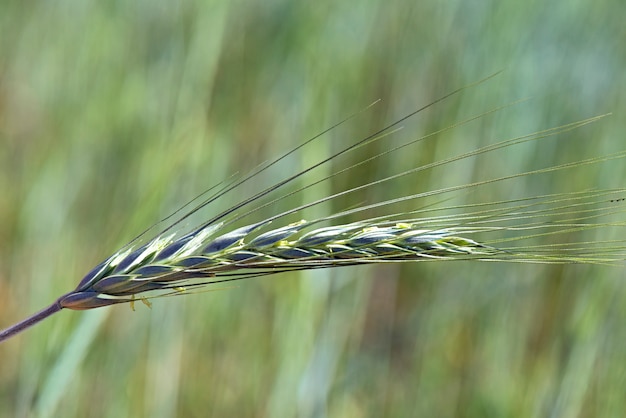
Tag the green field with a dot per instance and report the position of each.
(114, 114)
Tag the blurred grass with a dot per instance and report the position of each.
(114, 113)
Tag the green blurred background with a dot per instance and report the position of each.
(113, 113)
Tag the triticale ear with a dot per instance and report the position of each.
(176, 261)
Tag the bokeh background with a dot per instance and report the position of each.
(114, 113)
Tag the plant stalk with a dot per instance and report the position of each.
(30, 321)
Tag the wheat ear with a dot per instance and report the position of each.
(170, 263)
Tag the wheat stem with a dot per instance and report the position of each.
(30, 321)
